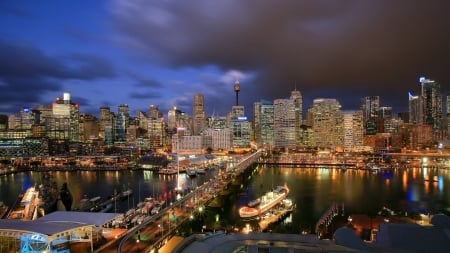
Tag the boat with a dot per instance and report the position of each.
(125, 194)
(254, 202)
(66, 197)
(25, 207)
(267, 202)
(191, 172)
(48, 195)
(200, 170)
(167, 171)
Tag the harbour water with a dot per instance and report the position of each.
(313, 190)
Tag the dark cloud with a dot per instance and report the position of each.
(26, 73)
(148, 83)
(24, 60)
(325, 48)
(19, 92)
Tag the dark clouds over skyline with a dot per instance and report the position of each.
(163, 52)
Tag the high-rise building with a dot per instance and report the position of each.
(199, 114)
(327, 123)
(263, 119)
(432, 102)
(284, 116)
(297, 98)
(178, 119)
(415, 109)
(370, 106)
(353, 130)
(122, 123)
(89, 127)
(384, 119)
(64, 123)
(106, 131)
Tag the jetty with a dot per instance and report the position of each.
(275, 215)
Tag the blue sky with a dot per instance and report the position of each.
(143, 52)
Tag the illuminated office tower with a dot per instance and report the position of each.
(199, 114)
(384, 119)
(141, 119)
(353, 130)
(106, 125)
(22, 120)
(121, 124)
(263, 116)
(370, 106)
(64, 123)
(432, 102)
(296, 96)
(415, 106)
(178, 119)
(217, 122)
(284, 123)
(157, 133)
(327, 123)
(89, 127)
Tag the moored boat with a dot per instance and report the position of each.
(191, 172)
(267, 202)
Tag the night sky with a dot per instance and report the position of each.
(162, 52)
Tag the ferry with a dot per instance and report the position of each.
(267, 202)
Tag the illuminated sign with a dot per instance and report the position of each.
(242, 118)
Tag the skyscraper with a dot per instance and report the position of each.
(64, 122)
(353, 130)
(296, 97)
(415, 109)
(370, 106)
(432, 102)
(263, 118)
(284, 123)
(327, 123)
(199, 114)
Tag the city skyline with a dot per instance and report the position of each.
(106, 53)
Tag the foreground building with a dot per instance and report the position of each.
(391, 237)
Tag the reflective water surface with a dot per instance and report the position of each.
(313, 190)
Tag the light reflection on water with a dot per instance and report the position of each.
(313, 190)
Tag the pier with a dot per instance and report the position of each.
(274, 216)
(156, 230)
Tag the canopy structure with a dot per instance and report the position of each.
(55, 229)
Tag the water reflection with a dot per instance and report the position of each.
(313, 190)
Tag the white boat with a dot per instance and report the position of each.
(268, 201)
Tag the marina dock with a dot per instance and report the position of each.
(276, 215)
